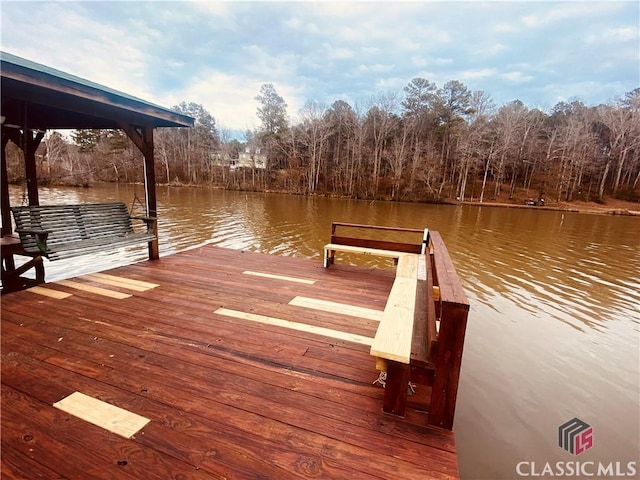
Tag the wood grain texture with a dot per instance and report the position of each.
(91, 289)
(279, 277)
(49, 292)
(128, 283)
(227, 397)
(393, 337)
(102, 414)
(337, 307)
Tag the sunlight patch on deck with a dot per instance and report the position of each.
(302, 327)
(49, 292)
(122, 282)
(102, 414)
(91, 289)
(339, 308)
(280, 277)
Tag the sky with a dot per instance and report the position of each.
(218, 54)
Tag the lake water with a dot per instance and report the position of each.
(554, 325)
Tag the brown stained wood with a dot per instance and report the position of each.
(52, 427)
(205, 407)
(448, 360)
(277, 351)
(231, 399)
(375, 245)
(395, 392)
(15, 465)
(450, 288)
(174, 366)
(454, 310)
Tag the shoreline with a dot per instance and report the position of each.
(611, 207)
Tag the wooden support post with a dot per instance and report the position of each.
(143, 139)
(5, 203)
(29, 145)
(453, 325)
(454, 310)
(150, 188)
(395, 391)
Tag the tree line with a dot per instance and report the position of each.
(426, 143)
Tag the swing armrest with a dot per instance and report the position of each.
(40, 236)
(150, 221)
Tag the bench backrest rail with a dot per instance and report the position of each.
(365, 241)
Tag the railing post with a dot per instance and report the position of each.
(453, 312)
(453, 324)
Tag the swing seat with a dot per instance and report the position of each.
(65, 231)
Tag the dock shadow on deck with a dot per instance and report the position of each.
(227, 396)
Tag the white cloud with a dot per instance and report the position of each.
(517, 77)
(338, 53)
(553, 12)
(480, 73)
(219, 53)
(490, 50)
(300, 25)
(409, 44)
(614, 35)
(229, 98)
(419, 61)
(375, 68)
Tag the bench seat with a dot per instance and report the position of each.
(402, 343)
(63, 231)
(331, 248)
(394, 334)
(420, 337)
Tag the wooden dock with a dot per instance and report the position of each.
(244, 365)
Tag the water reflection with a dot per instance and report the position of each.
(555, 305)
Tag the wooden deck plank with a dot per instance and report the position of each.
(127, 283)
(102, 414)
(49, 292)
(285, 278)
(393, 338)
(301, 327)
(226, 398)
(336, 307)
(207, 407)
(91, 289)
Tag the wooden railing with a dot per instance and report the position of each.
(452, 309)
(358, 241)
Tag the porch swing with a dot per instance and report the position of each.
(37, 98)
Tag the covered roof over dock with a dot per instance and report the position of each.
(37, 98)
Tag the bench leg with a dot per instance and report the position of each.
(328, 257)
(395, 391)
(11, 276)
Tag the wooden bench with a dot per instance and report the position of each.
(63, 231)
(11, 276)
(420, 337)
(405, 335)
(367, 246)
